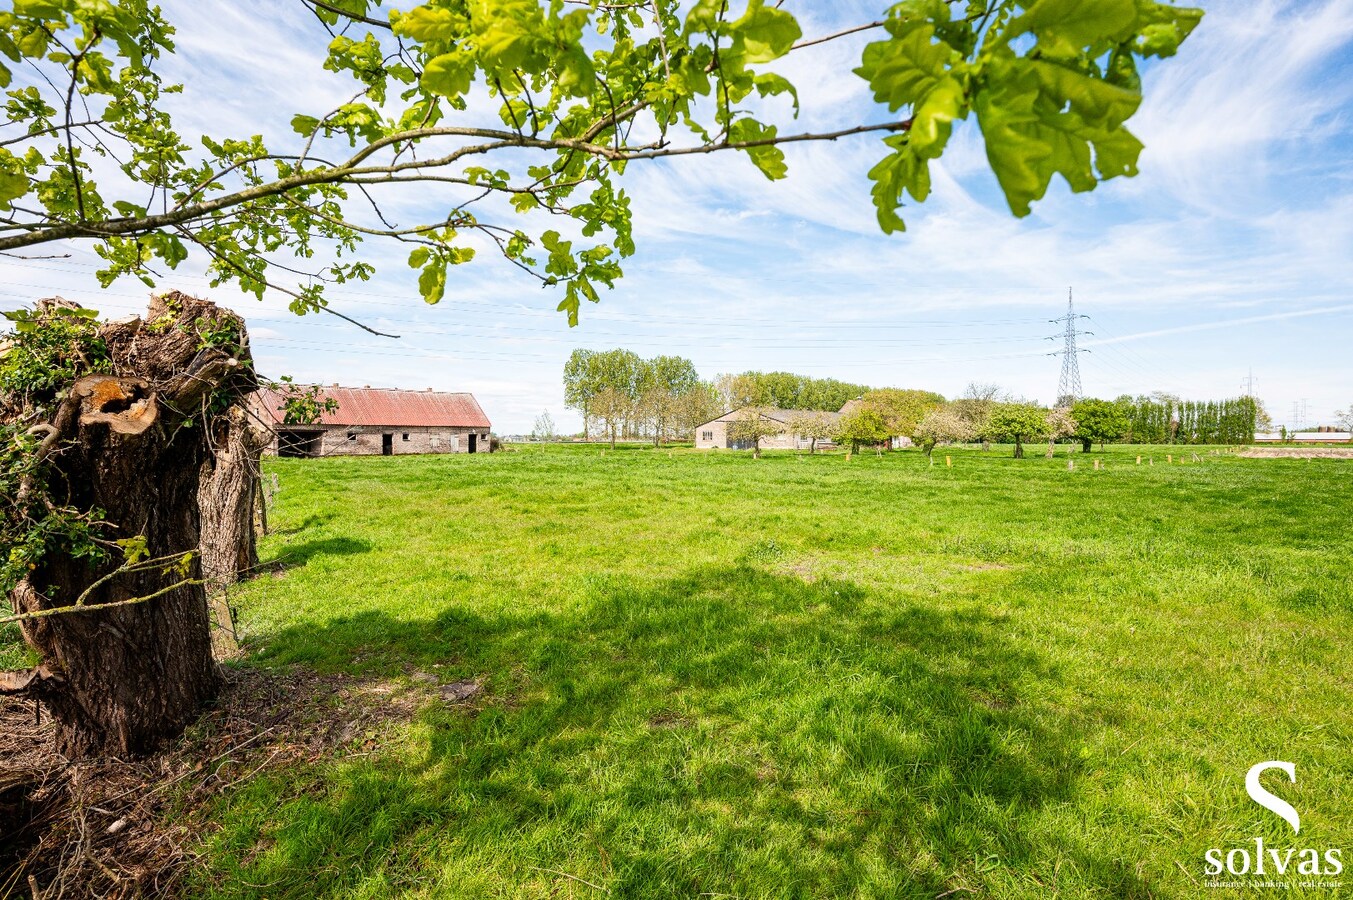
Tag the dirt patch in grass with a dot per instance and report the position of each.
(115, 829)
(667, 720)
(1297, 453)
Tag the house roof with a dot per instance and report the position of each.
(387, 407)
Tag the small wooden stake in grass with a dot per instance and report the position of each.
(1139, 460)
(1097, 462)
(949, 462)
(1151, 461)
(1169, 457)
(1070, 465)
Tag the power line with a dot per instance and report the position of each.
(1145, 365)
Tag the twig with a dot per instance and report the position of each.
(254, 772)
(831, 37)
(62, 610)
(349, 14)
(572, 878)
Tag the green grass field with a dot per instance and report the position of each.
(708, 676)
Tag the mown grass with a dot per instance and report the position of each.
(708, 676)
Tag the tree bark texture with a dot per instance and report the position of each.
(119, 681)
(226, 497)
(227, 490)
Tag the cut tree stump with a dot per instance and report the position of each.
(132, 444)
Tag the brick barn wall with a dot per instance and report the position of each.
(719, 440)
(782, 441)
(719, 432)
(422, 439)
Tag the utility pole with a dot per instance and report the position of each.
(1248, 385)
(1299, 414)
(1069, 385)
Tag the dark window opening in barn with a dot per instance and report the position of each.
(406, 435)
(706, 435)
(297, 443)
(352, 436)
(387, 444)
(474, 440)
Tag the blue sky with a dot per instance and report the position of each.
(1231, 252)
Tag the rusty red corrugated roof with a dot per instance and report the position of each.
(388, 407)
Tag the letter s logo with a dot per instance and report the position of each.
(1268, 801)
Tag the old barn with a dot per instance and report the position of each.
(377, 421)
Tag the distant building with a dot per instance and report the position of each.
(374, 421)
(714, 434)
(1325, 435)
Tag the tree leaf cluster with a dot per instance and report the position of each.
(519, 119)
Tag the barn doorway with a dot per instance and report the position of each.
(297, 443)
(387, 445)
(474, 443)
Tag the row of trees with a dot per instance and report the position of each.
(664, 398)
(1165, 419)
(785, 390)
(626, 395)
(985, 414)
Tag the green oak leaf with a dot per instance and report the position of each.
(429, 23)
(450, 74)
(767, 33)
(1065, 27)
(769, 158)
(1165, 27)
(432, 283)
(933, 119)
(901, 170)
(770, 84)
(902, 70)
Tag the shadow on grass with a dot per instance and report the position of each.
(730, 732)
(296, 555)
(311, 521)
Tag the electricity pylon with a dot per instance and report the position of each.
(1069, 386)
